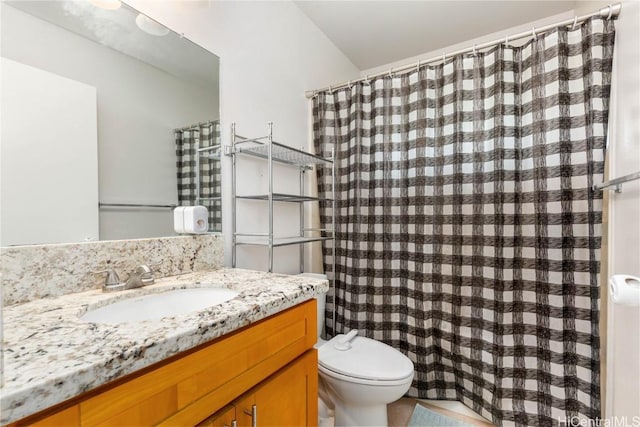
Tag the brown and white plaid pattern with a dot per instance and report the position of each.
(467, 233)
(204, 135)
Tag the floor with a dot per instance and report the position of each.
(399, 412)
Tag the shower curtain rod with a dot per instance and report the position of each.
(135, 205)
(605, 12)
(210, 122)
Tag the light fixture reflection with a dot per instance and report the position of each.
(107, 4)
(150, 26)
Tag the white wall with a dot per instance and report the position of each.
(623, 341)
(270, 53)
(138, 108)
(48, 157)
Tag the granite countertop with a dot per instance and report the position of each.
(50, 355)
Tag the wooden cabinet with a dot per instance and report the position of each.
(67, 417)
(271, 364)
(225, 417)
(288, 398)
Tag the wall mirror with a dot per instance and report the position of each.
(109, 120)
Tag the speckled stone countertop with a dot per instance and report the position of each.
(50, 355)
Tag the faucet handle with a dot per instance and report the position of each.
(154, 267)
(143, 269)
(112, 276)
(112, 282)
(145, 273)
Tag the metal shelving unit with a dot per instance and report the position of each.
(265, 147)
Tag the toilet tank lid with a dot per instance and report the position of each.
(367, 359)
(313, 275)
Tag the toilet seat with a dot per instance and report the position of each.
(366, 362)
(363, 381)
(319, 343)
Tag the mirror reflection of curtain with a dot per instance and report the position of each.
(187, 143)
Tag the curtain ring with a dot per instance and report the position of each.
(418, 67)
(366, 79)
(330, 89)
(610, 12)
(535, 36)
(444, 57)
(390, 73)
(474, 50)
(575, 21)
(506, 40)
(349, 84)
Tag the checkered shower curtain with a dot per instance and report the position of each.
(204, 135)
(468, 234)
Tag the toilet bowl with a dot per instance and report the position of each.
(358, 376)
(362, 379)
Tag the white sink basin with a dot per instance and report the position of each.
(156, 306)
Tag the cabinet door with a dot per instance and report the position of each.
(288, 398)
(245, 411)
(223, 418)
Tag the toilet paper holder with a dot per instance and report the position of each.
(625, 289)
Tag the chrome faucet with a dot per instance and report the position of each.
(141, 276)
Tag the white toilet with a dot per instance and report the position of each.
(360, 376)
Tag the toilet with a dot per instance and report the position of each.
(359, 376)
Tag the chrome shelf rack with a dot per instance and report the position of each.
(273, 152)
(279, 197)
(276, 152)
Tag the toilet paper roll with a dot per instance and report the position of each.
(178, 219)
(196, 219)
(625, 289)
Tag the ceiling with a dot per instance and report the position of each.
(374, 33)
(118, 30)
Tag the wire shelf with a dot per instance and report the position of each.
(280, 197)
(277, 241)
(280, 153)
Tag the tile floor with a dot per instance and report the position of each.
(399, 412)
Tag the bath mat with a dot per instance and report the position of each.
(423, 417)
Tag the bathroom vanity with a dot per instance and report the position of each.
(250, 359)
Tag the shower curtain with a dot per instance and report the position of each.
(468, 233)
(202, 135)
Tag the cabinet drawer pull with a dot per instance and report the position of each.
(234, 423)
(254, 415)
